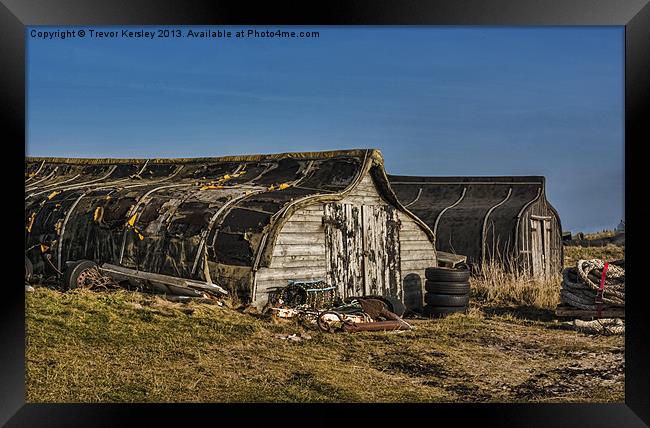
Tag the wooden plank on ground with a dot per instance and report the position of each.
(568, 311)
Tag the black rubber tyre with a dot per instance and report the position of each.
(462, 266)
(442, 274)
(441, 311)
(394, 304)
(413, 297)
(446, 299)
(72, 274)
(446, 287)
(29, 269)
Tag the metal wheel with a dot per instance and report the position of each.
(329, 326)
(80, 274)
(86, 278)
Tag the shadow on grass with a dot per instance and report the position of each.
(523, 312)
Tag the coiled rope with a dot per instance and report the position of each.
(581, 286)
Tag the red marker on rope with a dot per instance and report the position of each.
(601, 289)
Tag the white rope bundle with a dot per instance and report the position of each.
(581, 285)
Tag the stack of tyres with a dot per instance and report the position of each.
(447, 291)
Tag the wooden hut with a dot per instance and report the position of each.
(246, 223)
(506, 219)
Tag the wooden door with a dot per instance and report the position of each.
(344, 248)
(381, 251)
(362, 249)
(541, 245)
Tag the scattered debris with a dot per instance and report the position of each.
(361, 314)
(93, 279)
(293, 337)
(315, 304)
(300, 299)
(606, 326)
(286, 312)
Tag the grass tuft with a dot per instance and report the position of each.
(499, 284)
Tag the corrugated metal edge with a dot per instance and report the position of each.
(236, 158)
(497, 179)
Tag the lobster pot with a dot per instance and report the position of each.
(315, 294)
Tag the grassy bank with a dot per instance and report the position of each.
(129, 347)
(574, 253)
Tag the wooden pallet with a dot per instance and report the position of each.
(569, 311)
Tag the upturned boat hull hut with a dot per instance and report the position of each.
(246, 223)
(505, 219)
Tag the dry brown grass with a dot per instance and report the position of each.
(600, 235)
(499, 284)
(129, 347)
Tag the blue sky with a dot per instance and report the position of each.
(435, 100)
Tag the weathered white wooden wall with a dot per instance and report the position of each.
(417, 254)
(300, 252)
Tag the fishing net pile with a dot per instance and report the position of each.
(585, 287)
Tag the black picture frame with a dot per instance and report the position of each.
(15, 15)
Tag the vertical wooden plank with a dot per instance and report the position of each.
(329, 243)
(536, 246)
(355, 244)
(380, 248)
(369, 256)
(528, 233)
(348, 253)
(341, 250)
(525, 233)
(343, 219)
(547, 248)
(557, 246)
(366, 237)
(335, 272)
(364, 250)
(377, 253)
(395, 287)
(385, 249)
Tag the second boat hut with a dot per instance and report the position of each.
(504, 219)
